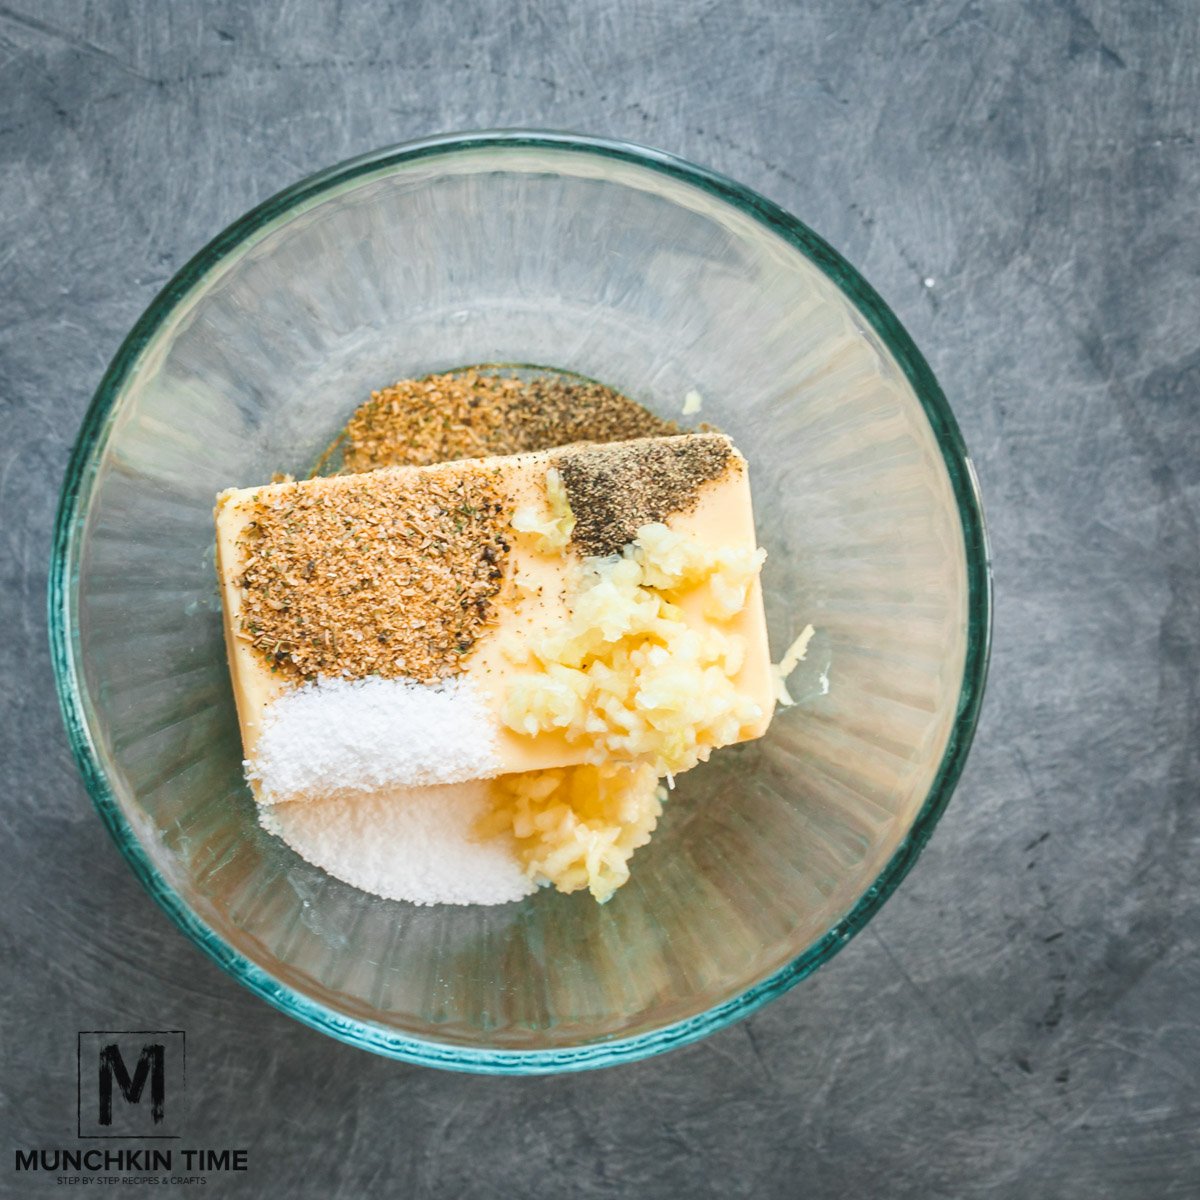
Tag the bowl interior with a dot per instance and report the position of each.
(654, 282)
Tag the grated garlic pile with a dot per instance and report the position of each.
(577, 827)
(649, 694)
(627, 675)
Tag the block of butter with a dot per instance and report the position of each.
(377, 624)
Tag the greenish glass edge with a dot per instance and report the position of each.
(82, 467)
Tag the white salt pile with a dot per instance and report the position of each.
(340, 735)
(412, 844)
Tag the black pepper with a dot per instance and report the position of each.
(614, 490)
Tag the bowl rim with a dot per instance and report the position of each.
(368, 1035)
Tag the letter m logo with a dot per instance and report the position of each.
(151, 1064)
(131, 1083)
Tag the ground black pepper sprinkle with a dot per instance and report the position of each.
(614, 490)
(553, 412)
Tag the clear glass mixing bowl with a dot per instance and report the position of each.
(654, 276)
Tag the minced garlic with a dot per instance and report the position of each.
(551, 529)
(626, 674)
(577, 827)
(793, 656)
(645, 691)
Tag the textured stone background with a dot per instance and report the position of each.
(1021, 182)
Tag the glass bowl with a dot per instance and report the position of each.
(657, 277)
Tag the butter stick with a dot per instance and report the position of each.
(528, 599)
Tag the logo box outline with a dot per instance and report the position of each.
(156, 1137)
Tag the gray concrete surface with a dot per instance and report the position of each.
(1021, 181)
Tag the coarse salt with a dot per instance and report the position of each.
(335, 735)
(414, 844)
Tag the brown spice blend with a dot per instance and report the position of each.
(417, 422)
(390, 574)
